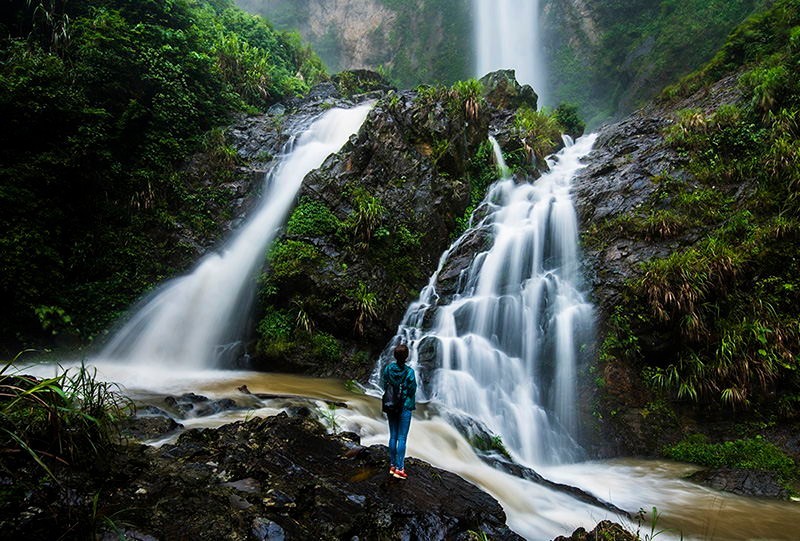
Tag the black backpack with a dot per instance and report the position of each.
(392, 401)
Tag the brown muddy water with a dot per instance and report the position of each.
(685, 510)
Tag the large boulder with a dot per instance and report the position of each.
(371, 225)
(501, 89)
(619, 197)
(276, 478)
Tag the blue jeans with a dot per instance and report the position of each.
(398, 432)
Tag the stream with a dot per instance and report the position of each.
(685, 509)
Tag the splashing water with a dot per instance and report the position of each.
(188, 320)
(507, 37)
(504, 347)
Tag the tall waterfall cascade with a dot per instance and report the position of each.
(188, 321)
(506, 345)
(507, 36)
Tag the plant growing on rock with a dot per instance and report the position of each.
(365, 217)
(469, 93)
(539, 130)
(65, 418)
(366, 307)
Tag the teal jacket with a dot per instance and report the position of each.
(405, 379)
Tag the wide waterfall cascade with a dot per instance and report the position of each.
(508, 37)
(186, 322)
(506, 344)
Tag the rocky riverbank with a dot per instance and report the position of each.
(281, 477)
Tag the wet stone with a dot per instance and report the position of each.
(266, 530)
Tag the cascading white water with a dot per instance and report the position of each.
(506, 343)
(507, 37)
(186, 322)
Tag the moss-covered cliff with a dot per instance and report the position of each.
(606, 56)
(371, 223)
(691, 215)
(612, 56)
(424, 41)
(102, 105)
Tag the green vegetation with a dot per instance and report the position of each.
(366, 306)
(570, 120)
(482, 173)
(728, 302)
(540, 132)
(367, 215)
(752, 454)
(492, 444)
(101, 104)
(639, 47)
(68, 418)
(419, 42)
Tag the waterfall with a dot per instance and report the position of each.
(187, 322)
(503, 349)
(507, 37)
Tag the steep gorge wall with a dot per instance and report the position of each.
(607, 56)
(423, 41)
(611, 56)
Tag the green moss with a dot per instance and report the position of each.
(491, 444)
(275, 325)
(312, 219)
(754, 453)
(326, 347)
(291, 258)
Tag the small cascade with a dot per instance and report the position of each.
(507, 37)
(191, 321)
(503, 349)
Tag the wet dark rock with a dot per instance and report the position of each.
(427, 354)
(531, 475)
(619, 182)
(266, 530)
(460, 259)
(193, 405)
(604, 531)
(280, 477)
(758, 483)
(144, 428)
(501, 89)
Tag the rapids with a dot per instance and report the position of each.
(537, 513)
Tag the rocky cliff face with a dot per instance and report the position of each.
(648, 210)
(611, 57)
(606, 57)
(414, 42)
(372, 222)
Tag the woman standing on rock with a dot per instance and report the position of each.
(402, 379)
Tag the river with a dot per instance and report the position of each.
(535, 512)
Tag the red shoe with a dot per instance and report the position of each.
(392, 470)
(400, 474)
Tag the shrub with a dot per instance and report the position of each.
(753, 453)
(539, 131)
(69, 417)
(312, 219)
(570, 121)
